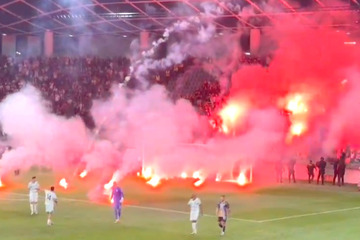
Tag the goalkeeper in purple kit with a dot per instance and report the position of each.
(117, 196)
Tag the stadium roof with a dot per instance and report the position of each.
(133, 16)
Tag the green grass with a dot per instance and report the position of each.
(77, 220)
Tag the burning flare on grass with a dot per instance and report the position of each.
(63, 183)
(154, 181)
(242, 179)
(199, 182)
(147, 173)
(83, 174)
(1, 184)
(200, 179)
(114, 178)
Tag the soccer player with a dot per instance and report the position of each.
(50, 203)
(34, 188)
(195, 211)
(117, 196)
(222, 211)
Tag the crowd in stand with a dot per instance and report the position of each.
(71, 84)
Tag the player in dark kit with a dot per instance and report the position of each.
(291, 169)
(311, 167)
(321, 165)
(341, 169)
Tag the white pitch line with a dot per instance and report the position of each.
(308, 215)
(139, 207)
(207, 215)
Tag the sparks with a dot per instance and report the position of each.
(83, 174)
(63, 183)
(183, 175)
(1, 184)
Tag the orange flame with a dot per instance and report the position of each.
(231, 113)
(242, 179)
(218, 177)
(63, 183)
(154, 181)
(147, 173)
(297, 105)
(83, 174)
(196, 175)
(109, 185)
(199, 182)
(297, 128)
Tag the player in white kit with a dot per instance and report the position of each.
(195, 212)
(50, 203)
(34, 188)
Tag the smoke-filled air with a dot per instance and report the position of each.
(303, 99)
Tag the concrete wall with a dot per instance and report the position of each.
(8, 45)
(104, 46)
(33, 46)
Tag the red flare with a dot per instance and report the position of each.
(154, 181)
(242, 181)
(83, 174)
(63, 183)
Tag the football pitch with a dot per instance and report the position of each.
(294, 212)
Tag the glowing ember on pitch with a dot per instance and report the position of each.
(63, 183)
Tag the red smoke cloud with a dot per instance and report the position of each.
(170, 137)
